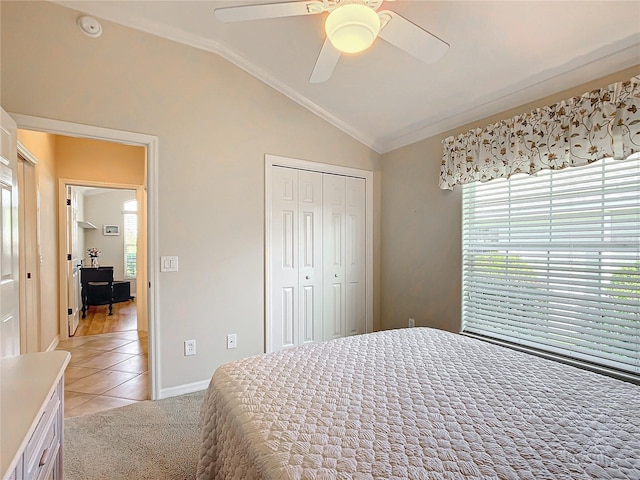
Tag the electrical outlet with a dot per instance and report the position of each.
(189, 347)
(232, 341)
(412, 322)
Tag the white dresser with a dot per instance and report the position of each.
(32, 416)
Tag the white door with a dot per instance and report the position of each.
(344, 256)
(284, 281)
(355, 265)
(9, 253)
(334, 236)
(317, 256)
(296, 280)
(29, 258)
(309, 257)
(73, 261)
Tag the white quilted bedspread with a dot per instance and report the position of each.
(416, 404)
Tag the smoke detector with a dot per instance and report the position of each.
(90, 26)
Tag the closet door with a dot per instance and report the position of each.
(334, 237)
(317, 273)
(344, 256)
(296, 256)
(355, 267)
(284, 258)
(309, 257)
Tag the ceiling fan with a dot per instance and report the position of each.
(351, 27)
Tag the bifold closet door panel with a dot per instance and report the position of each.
(355, 266)
(334, 236)
(284, 258)
(296, 256)
(309, 257)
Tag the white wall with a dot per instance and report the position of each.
(215, 123)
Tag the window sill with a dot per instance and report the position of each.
(610, 372)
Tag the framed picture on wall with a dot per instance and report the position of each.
(111, 230)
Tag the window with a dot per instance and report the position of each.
(552, 261)
(130, 212)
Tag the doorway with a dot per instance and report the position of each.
(103, 227)
(146, 291)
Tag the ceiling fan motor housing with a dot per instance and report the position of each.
(352, 28)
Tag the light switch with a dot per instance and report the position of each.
(169, 264)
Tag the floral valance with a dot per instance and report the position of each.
(581, 130)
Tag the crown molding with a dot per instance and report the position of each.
(602, 62)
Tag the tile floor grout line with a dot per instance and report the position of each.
(128, 391)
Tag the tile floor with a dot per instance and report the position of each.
(105, 371)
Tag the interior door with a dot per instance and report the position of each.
(284, 266)
(344, 256)
(309, 257)
(334, 235)
(73, 262)
(317, 256)
(355, 266)
(29, 257)
(296, 239)
(9, 252)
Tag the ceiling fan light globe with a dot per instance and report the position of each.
(352, 28)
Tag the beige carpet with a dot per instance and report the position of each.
(147, 440)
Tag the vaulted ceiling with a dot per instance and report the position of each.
(502, 54)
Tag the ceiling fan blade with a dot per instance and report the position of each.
(326, 63)
(409, 37)
(268, 10)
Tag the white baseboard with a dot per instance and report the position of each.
(182, 389)
(54, 343)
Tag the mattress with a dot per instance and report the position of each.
(416, 403)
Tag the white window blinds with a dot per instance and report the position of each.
(130, 238)
(552, 261)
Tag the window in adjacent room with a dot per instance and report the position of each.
(552, 261)
(130, 212)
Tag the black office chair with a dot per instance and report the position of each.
(97, 287)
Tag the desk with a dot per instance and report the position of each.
(99, 288)
(101, 276)
(122, 291)
(108, 293)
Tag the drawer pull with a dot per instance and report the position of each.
(45, 457)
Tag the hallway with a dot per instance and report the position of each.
(109, 361)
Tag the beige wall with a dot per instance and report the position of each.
(421, 226)
(43, 146)
(214, 123)
(85, 159)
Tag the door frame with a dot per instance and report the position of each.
(279, 161)
(150, 142)
(63, 241)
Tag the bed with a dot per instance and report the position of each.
(416, 403)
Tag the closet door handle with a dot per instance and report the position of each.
(335, 275)
(307, 277)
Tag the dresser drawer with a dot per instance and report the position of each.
(42, 450)
(49, 470)
(17, 473)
